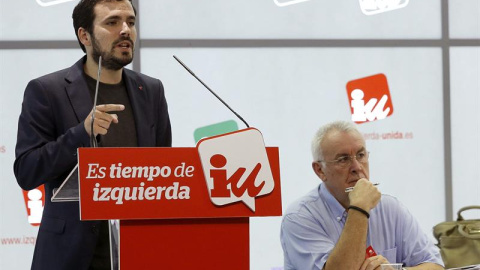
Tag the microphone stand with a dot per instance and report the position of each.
(113, 231)
(211, 91)
(93, 139)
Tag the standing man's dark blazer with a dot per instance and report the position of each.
(50, 130)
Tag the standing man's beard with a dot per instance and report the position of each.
(109, 60)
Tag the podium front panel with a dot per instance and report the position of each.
(214, 244)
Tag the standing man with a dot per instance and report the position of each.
(56, 120)
(331, 229)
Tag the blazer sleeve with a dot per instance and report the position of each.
(45, 150)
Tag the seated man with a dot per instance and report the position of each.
(334, 230)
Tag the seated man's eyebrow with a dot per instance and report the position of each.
(361, 150)
(341, 155)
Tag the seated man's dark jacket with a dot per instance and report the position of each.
(50, 130)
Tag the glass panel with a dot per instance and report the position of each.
(464, 18)
(17, 68)
(263, 19)
(465, 97)
(27, 20)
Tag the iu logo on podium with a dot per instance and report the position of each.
(369, 98)
(236, 167)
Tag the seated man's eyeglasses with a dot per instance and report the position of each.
(346, 160)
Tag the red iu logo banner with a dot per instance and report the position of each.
(34, 202)
(369, 98)
(236, 167)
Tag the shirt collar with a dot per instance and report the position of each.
(335, 207)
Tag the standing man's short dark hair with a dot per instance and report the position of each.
(83, 16)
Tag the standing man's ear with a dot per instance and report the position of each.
(318, 169)
(84, 37)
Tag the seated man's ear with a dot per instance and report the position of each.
(318, 169)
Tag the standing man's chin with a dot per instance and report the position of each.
(115, 63)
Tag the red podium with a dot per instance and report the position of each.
(183, 208)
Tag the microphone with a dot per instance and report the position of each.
(211, 91)
(93, 139)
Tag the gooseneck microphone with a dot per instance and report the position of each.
(93, 139)
(211, 91)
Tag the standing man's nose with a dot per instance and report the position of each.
(125, 29)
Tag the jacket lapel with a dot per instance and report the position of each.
(77, 91)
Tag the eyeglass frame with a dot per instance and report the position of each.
(350, 159)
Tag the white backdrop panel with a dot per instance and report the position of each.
(16, 70)
(289, 93)
(465, 97)
(464, 16)
(27, 20)
(314, 19)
